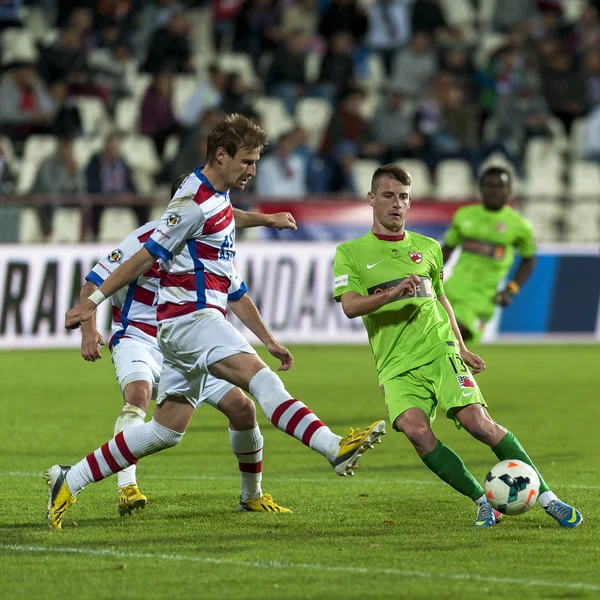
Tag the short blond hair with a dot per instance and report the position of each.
(233, 133)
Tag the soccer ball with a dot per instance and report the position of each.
(512, 487)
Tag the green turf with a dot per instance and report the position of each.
(392, 531)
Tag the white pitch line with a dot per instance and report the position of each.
(360, 479)
(578, 585)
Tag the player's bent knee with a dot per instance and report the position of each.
(138, 393)
(239, 409)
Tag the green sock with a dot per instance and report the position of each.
(509, 448)
(449, 467)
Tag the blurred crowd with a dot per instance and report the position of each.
(444, 90)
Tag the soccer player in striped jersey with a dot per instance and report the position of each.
(393, 279)
(138, 363)
(195, 243)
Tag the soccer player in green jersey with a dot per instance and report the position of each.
(487, 233)
(392, 278)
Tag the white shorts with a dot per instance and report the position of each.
(135, 360)
(189, 345)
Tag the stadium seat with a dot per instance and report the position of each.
(486, 12)
(86, 147)
(544, 167)
(572, 10)
(171, 148)
(583, 221)
(459, 12)
(544, 214)
(577, 140)
(36, 149)
(140, 153)
(363, 170)
(421, 177)
(17, 44)
(274, 117)
(66, 225)
(127, 115)
(585, 179)
(313, 67)
(94, 118)
(183, 88)
(313, 116)
(139, 84)
(116, 224)
(30, 231)
(238, 62)
(454, 180)
(489, 42)
(376, 77)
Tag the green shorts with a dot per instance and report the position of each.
(445, 382)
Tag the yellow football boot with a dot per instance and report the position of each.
(263, 504)
(59, 494)
(130, 499)
(354, 445)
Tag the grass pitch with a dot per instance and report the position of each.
(393, 531)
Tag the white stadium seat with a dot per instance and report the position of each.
(140, 153)
(422, 186)
(363, 170)
(37, 149)
(183, 88)
(583, 221)
(66, 225)
(544, 167)
(585, 179)
(94, 117)
(577, 140)
(543, 214)
(116, 223)
(85, 148)
(313, 116)
(237, 62)
(274, 116)
(127, 115)
(30, 231)
(454, 180)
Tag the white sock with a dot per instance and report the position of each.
(546, 498)
(247, 447)
(481, 500)
(129, 417)
(120, 452)
(291, 415)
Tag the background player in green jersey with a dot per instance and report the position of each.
(487, 233)
(392, 278)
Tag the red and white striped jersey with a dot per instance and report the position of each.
(134, 306)
(195, 242)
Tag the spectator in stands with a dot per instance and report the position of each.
(287, 75)
(549, 22)
(58, 174)
(224, 13)
(282, 173)
(564, 89)
(67, 119)
(108, 173)
(428, 15)
(8, 177)
(591, 70)
(257, 29)
(344, 15)
(456, 62)
(208, 95)
(342, 142)
(152, 17)
(81, 21)
(391, 133)
(238, 97)
(509, 13)
(337, 68)
(523, 114)
(389, 29)
(170, 47)
(157, 119)
(415, 66)
(192, 153)
(66, 55)
(25, 105)
(584, 35)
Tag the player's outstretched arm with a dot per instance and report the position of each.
(475, 362)
(245, 310)
(91, 340)
(131, 269)
(523, 273)
(355, 305)
(245, 219)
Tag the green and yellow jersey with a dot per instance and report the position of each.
(488, 240)
(413, 330)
